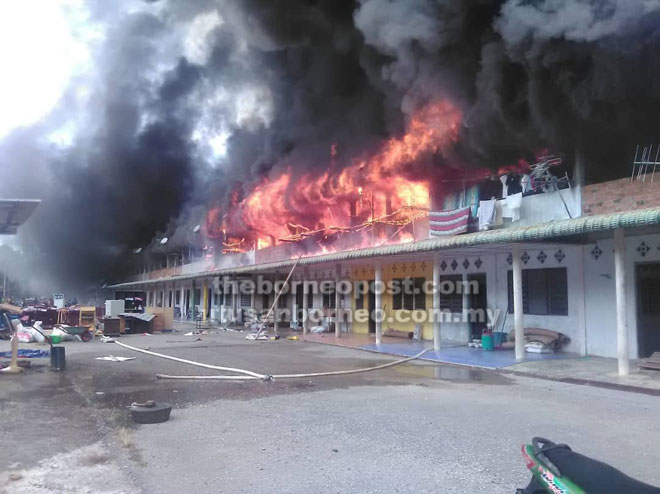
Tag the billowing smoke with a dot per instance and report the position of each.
(187, 105)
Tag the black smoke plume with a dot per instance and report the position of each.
(283, 81)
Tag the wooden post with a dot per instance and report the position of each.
(518, 303)
(437, 330)
(621, 319)
(378, 282)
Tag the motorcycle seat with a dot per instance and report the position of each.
(594, 476)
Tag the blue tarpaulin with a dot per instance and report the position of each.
(27, 353)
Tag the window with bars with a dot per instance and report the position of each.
(452, 302)
(410, 294)
(246, 299)
(545, 291)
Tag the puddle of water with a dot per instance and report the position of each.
(455, 374)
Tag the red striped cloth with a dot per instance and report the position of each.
(443, 223)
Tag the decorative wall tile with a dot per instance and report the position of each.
(443, 265)
(643, 249)
(596, 252)
(478, 262)
(509, 259)
(559, 255)
(423, 266)
(525, 257)
(466, 263)
(542, 257)
(454, 264)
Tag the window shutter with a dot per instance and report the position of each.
(558, 291)
(453, 301)
(408, 295)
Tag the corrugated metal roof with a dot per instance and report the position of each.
(544, 231)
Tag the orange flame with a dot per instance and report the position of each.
(380, 188)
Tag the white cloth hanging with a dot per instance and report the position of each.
(486, 214)
(526, 183)
(511, 206)
(505, 187)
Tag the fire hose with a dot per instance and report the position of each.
(249, 375)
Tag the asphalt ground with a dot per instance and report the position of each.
(418, 427)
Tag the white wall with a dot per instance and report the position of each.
(572, 324)
(541, 208)
(600, 293)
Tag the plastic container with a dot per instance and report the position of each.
(56, 339)
(499, 337)
(57, 358)
(487, 340)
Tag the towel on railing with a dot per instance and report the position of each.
(443, 223)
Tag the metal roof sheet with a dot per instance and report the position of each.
(543, 231)
(15, 212)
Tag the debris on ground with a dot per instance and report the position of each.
(81, 471)
(652, 362)
(112, 358)
(150, 412)
(258, 336)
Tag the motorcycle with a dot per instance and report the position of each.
(557, 469)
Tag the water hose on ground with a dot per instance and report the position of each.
(192, 362)
(248, 375)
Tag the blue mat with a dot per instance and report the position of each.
(26, 353)
(462, 355)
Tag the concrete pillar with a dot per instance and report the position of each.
(234, 301)
(437, 330)
(193, 298)
(518, 303)
(294, 303)
(337, 301)
(253, 301)
(182, 294)
(307, 303)
(378, 286)
(621, 319)
(205, 299)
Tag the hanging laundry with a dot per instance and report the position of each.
(486, 214)
(505, 188)
(472, 199)
(497, 219)
(526, 183)
(513, 184)
(442, 223)
(511, 206)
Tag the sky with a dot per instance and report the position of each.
(37, 72)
